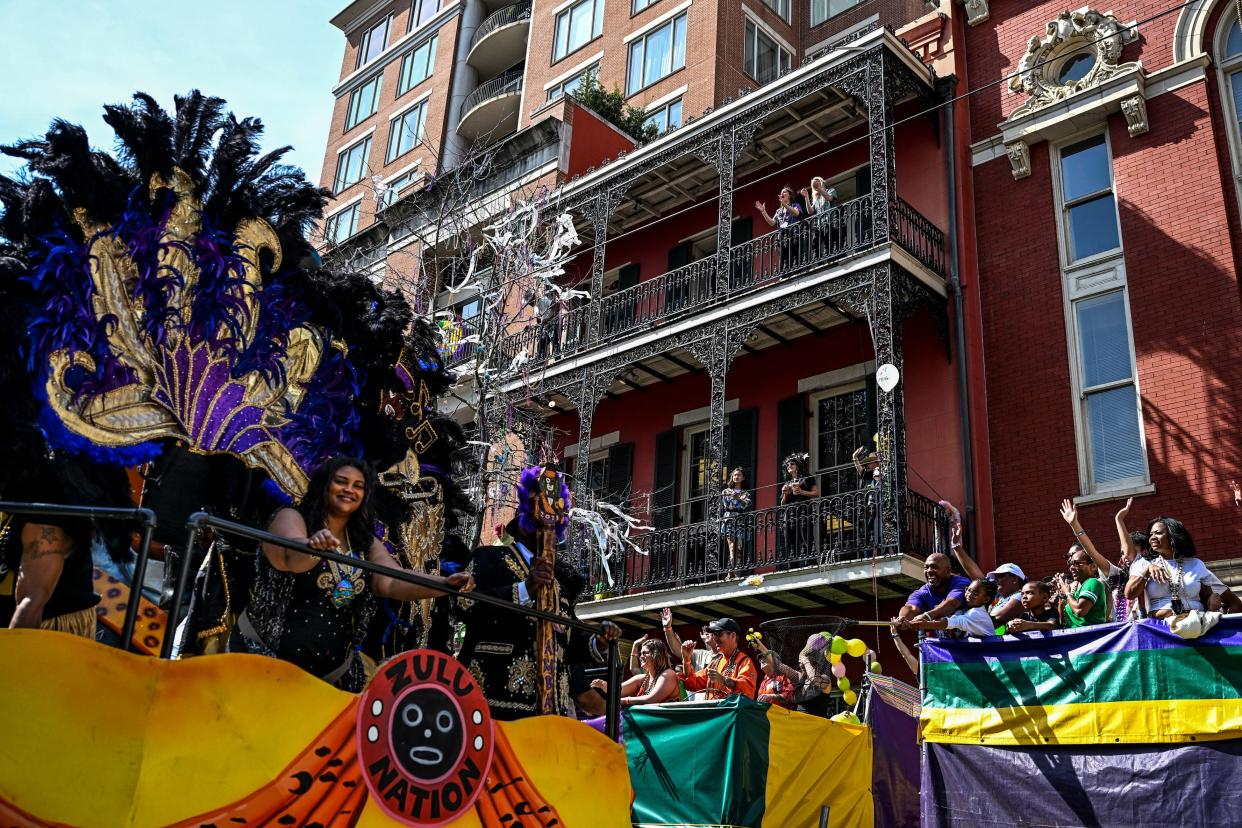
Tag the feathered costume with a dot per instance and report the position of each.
(163, 308)
(500, 647)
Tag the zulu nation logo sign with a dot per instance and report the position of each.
(425, 738)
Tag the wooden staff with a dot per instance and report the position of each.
(549, 512)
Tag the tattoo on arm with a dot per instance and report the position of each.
(50, 541)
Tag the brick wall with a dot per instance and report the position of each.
(1185, 313)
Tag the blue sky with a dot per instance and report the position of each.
(275, 59)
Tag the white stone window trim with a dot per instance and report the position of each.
(402, 171)
(356, 140)
(1224, 68)
(664, 100)
(848, 375)
(1158, 83)
(701, 415)
(657, 23)
(577, 70)
(342, 206)
(767, 30)
(413, 102)
(1085, 279)
(600, 443)
(1124, 93)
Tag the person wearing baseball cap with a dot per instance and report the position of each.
(730, 672)
(1009, 578)
(1007, 605)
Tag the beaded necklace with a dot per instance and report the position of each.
(342, 587)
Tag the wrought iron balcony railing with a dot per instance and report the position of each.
(815, 243)
(509, 83)
(818, 532)
(506, 16)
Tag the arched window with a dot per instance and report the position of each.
(1229, 73)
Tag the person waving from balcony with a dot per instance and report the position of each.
(820, 202)
(730, 672)
(785, 217)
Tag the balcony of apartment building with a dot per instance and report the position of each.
(720, 295)
(496, 57)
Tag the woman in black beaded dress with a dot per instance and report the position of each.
(312, 612)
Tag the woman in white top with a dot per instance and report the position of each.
(1176, 580)
(819, 198)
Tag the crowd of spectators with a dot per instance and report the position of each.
(1157, 574)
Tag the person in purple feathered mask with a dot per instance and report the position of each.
(499, 647)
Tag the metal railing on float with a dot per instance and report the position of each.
(200, 521)
(145, 518)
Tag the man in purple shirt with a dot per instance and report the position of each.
(942, 595)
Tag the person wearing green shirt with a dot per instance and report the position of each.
(1086, 599)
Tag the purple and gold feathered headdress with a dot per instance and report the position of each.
(530, 489)
(171, 294)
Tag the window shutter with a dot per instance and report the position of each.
(628, 276)
(620, 473)
(873, 404)
(743, 432)
(862, 180)
(790, 430)
(665, 488)
(742, 230)
(679, 256)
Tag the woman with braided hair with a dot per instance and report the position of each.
(798, 488)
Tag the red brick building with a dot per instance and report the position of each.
(1105, 213)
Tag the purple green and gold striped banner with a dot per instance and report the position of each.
(1104, 685)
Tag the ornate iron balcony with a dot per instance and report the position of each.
(821, 240)
(817, 532)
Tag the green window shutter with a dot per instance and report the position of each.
(790, 429)
(665, 483)
(620, 474)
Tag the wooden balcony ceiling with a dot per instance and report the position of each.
(838, 589)
(780, 330)
(790, 131)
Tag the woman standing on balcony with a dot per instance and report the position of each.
(820, 202)
(785, 217)
(798, 488)
(734, 500)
